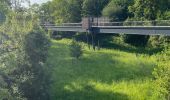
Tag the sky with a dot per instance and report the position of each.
(35, 1)
(38, 1)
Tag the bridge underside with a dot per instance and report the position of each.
(136, 30)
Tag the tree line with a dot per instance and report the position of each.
(62, 11)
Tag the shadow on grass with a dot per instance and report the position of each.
(139, 50)
(106, 42)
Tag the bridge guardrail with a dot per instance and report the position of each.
(107, 24)
(63, 24)
(135, 23)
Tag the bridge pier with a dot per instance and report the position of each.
(93, 41)
(49, 32)
(87, 25)
(98, 44)
(87, 40)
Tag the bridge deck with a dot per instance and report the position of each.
(137, 27)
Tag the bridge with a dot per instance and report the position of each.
(98, 26)
(161, 27)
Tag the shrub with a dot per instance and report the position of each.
(37, 82)
(75, 49)
(162, 74)
(136, 40)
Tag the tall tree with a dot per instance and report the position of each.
(45, 11)
(93, 7)
(145, 9)
(117, 9)
(66, 10)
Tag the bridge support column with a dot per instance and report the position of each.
(87, 40)
(93, 40)
(50, 33)
(98, 44)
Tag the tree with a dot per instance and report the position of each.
(20, 69)
(4, 8)
(72, 10)
(164, 6)
(11, 56)
(93, 7)
(144, 9)
(63, 10)
(37, 83)
(45, 12)
(117, 10)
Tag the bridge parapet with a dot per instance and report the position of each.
(89, 22)
(134, 23)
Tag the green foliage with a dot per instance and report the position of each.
(158, 41)
(113, 11)
(165, 15)
(71, 10)
(45, 12)
(4, 8)
(136, 40)
(12, 55)
(162, 73)
(21, 66)
(62, 11)
(75, 49)
(35, 87)
(93, 7)
(163, 5)
(144, 9)
(117, 9)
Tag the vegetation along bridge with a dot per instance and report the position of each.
(99, 26)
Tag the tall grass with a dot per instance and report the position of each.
(107, 74)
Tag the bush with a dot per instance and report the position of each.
(136, 40)
(162, 75)
(75, 49)
(37, 82)
(158, 41)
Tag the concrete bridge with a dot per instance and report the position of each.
(161, 27)
(95, 27)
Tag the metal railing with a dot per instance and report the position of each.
(107, 24)
(71, 24)
(134, 23)
(62, 25)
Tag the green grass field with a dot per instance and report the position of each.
(107, 74)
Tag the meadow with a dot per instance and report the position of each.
(106, 74)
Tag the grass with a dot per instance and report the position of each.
(108, 74)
